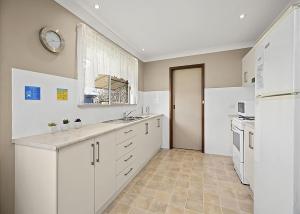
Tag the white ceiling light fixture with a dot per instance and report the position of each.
(242, 16)
(143, 49)
(97, 6)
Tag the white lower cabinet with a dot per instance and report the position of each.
(85, 177)
(105, 167)
(76, 179)
(249, 155)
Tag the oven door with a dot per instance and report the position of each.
(238, 149)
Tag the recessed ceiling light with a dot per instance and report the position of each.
(242, 16)
(97, 6)
(143, 49)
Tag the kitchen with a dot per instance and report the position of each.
(92, 122)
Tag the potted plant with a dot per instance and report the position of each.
(77, 123)
(53, 127)
(65, 125)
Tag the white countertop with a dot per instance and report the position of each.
(65, 138)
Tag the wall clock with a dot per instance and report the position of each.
(52, 40)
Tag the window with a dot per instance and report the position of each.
(106, 73)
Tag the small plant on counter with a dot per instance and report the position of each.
(65, 125)
(77, 123)
(53, 127)
(77, 120)
(52, 124)
(66, 121)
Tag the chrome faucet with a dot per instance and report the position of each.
(126, 113)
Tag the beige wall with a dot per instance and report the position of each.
(20, 21)
(222, 69)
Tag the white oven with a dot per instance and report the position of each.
(238, 148)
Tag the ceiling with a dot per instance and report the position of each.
(159, 29)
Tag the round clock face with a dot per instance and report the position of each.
(52, 40)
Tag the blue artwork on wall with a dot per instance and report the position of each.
(32, 93)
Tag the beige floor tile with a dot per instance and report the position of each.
(246, 207)
(162, 196)
(120, 208)
(229, 211)
(211, 198)
(194, 206)
(184, 181)
(158, 207)
(229, 203)
(212, 209)
(135, 210)
(174, 210)
(142, 202)
(178, 200)
(186, 211)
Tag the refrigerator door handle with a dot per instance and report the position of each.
(251, 140)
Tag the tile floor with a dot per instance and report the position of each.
(185, 182)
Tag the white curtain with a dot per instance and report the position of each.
(98, 55)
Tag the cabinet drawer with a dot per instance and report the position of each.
(125, 175)
(125, 147)
(126, 133)
(125, 161)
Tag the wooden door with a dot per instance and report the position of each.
(187, 108)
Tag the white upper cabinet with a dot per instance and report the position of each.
(275, 58)
(248, 68)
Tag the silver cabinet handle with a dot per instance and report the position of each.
(128, 131)
(245, 76)
(158, 123)
(126, 146)
(147, 128)
(267, 45)
(250, 141)
(131, 156)
(93, 159)
(128, 172)
(98, 151)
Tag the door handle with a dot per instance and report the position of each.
(128, 172)
(93, 156)
(131, 156)
(126, 146)
(250, 141)
(98, 151)
(147, 128)
(173, 106)
(128, 131)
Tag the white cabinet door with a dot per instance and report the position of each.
(274, 155)
(278, 58)
(157, 133)
(141, 144)
(248, 68)
(105, 169)
(249, 156)
(76, 179)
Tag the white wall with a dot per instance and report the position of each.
(31, 117)
(158, 101)
(219, 104)
(297, 157)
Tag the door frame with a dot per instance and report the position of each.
(171, 74)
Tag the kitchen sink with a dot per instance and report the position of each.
(127, 119)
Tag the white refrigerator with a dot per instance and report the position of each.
(277, 126)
